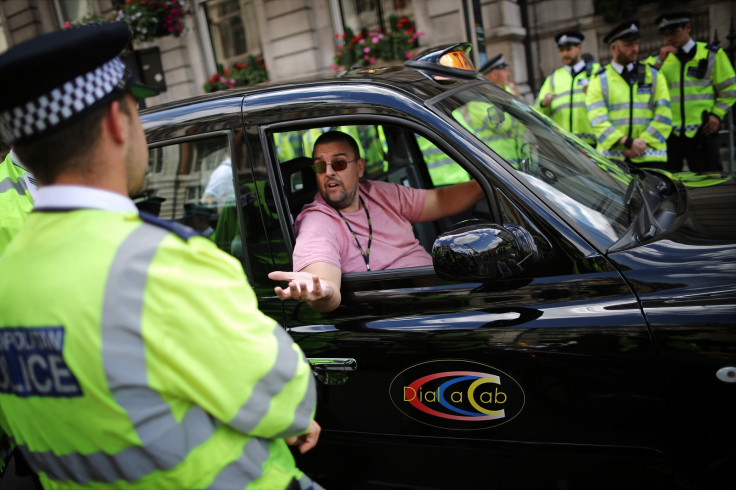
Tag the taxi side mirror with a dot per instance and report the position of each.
(477, 250)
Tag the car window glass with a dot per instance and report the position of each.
(563, 170)
(192, 183)
(394, 154)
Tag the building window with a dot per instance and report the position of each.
(369, 15)
(233, 30)
(73, 10)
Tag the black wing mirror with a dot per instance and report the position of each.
(477, 250)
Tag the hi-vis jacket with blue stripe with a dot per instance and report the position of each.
(706, 82)
(136, 357)
(618, 109)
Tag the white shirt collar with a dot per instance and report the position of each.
(576, 67)
(688, 45)
(75, 196)
(620, 68)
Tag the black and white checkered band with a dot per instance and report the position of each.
(565, 39)
(664, 23)
(53, 108)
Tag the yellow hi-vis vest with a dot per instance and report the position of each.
(567, 108)
(642, 110)
(15, 200)
(500, 131)
(706, 83)
(136, 357)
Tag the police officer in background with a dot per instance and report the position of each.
(497, 70)
(17, 189)
(132, 351)
(629, 104)
(562, 96)
(702, 89)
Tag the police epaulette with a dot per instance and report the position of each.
(713, 47)
(183, 231)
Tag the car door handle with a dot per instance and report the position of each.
(333, 370)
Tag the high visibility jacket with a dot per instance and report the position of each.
(617, 108)
(443, 170)
(498, 130)
(567, 108)
(706, 83)
(136, 357)
(15, 199)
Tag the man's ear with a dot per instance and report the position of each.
(115, 121)
(361, 167)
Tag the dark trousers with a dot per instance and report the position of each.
(703, 153)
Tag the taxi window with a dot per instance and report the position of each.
(192, 183)
(393, 154)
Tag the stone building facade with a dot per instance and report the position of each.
(298, 37)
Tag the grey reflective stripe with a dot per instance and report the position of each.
(303, 412)
(711, 64)
(599, 119)
(306, 483)
(687, 83)
(164, 442)
(248, 467)
(655, 132)
(608, 132)
(7, 184)
(257, 406)
(596, 105)
(662, 119)
(653, 75)
(725, 83)
(604, 87)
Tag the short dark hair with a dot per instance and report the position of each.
(48, 156)
(338, 136)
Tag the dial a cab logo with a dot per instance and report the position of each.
(457, 394)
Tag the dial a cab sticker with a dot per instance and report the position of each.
(457, 394)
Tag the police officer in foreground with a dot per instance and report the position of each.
(562, 96)
(702, 88)
(132, 353)
(629, 104)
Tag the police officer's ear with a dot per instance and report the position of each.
(117, 119)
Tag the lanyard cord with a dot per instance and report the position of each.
(366, 254)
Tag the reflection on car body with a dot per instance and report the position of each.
(600, 300)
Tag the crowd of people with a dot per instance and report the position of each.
(217, 407)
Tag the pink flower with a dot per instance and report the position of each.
(366, 57)
(409, 55)
(67, 24)
(374, 40)
(366, 49)
(223, 79)
(373, 60)
(362, 41)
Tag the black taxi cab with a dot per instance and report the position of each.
(577, 328)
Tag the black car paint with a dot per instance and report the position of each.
(616, 353)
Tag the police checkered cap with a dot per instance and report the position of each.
(569, 38)
(625, 31)
(51, 109)
(50, 81)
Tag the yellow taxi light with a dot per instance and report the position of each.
(457, 59)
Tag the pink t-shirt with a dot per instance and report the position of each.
(322, 236)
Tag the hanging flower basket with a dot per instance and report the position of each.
(370, 47)
(146, 19)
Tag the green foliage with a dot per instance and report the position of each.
(249, 73)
